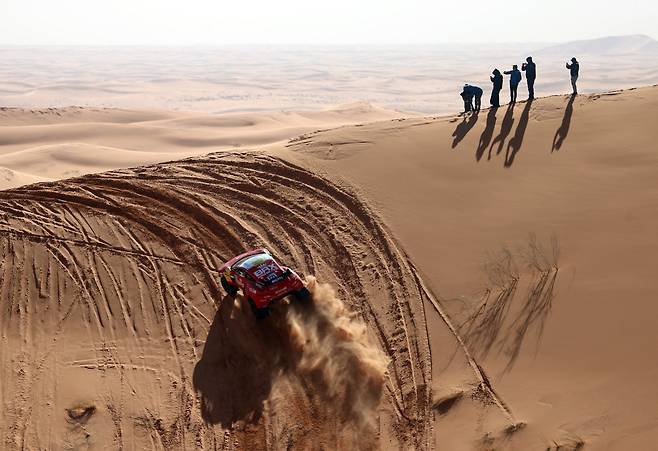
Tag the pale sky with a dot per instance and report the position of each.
(217, 22)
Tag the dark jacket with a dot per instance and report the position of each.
(573, 68)
(497, 80)
(515, 76)
(530, 70)
(473, 90)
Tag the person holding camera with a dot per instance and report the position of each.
(514, 80)
(574, 68)
(530, 69)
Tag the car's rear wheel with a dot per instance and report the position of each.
(259, 313)
(231, 290)
(303, 294)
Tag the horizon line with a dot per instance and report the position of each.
(321, 44)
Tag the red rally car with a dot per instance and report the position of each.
(261, 279)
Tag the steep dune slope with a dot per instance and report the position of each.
(115, 332)
(535, 225)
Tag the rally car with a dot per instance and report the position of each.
(261, 279)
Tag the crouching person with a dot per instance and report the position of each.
(474, 93)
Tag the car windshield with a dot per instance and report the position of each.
(253, 260)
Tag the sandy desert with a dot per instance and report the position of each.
(410, 78)
(479, 281)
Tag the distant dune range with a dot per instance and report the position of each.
(502, 263)
(423, 79)
(56, 143)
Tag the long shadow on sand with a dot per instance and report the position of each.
(505, 129)
(487, 134)
(238, 364)
(563, 131)
(514, 144)
(534, 313)
(506, 318)
(484, 327)
(463, 128)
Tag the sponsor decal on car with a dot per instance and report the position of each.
(265, 269)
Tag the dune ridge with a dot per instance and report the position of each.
(533, 226)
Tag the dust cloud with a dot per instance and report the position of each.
(337, 355)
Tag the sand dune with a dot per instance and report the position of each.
(612, 45)
(58, 143)
(534, 225)
(416, 78)
(119, 335)
(11, 179)
(489, 279)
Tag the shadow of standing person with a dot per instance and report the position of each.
(505, 129)
(487, 134)
(463, 128)
(563, 131)
(515, 143)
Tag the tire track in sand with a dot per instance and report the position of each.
(157, 232)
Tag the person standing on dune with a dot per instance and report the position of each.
(497, 80)
(530, 69)
(514, 80)
(574, 68)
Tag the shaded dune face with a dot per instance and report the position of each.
(115, 332)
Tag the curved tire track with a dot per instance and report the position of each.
(177, 222)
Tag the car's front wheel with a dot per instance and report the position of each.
(231, 290)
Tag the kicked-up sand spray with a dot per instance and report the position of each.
(336, 354)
